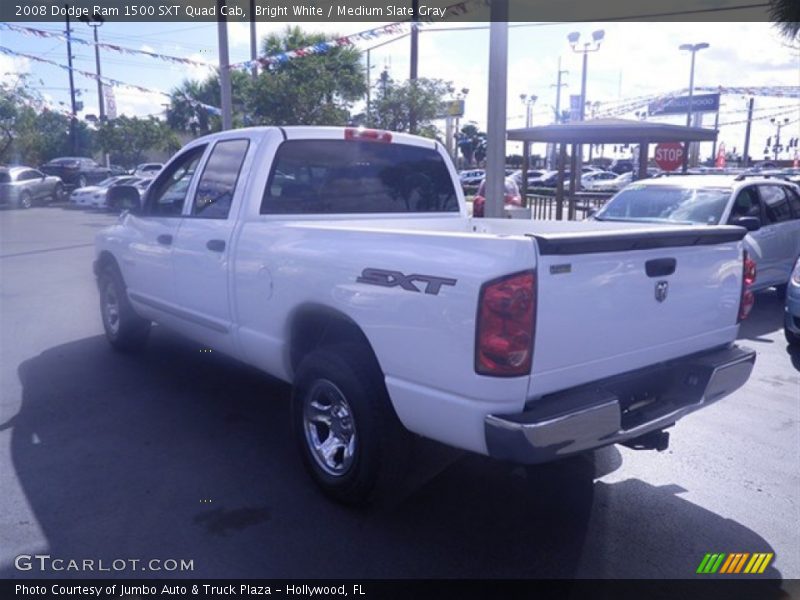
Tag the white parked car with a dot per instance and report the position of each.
(148, 169)
(94, 196)
(768, 208)
(357, 276)
(590, 181)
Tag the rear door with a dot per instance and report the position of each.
(147, 265)
(202, 247)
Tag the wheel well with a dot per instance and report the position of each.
(106, 259)
(314, 326)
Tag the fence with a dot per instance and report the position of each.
(543, 205)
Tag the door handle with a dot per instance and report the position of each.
(216, 245)
(660, 267)
(164, 239)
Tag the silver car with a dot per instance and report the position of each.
(22, 187)
(791, 325)
(769, 208)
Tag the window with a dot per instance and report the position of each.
(346, 176)
(747, 204)
(640, 202)
(28, 175)
(776, 202)
(218, 182)
(794, 201)
(167, 194)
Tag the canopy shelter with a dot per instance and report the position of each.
(603, 131)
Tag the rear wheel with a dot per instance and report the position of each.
(349, 437)
(125, 330)
(780, 291)
(25, 200)
(81, 181)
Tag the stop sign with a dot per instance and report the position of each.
(669, 155)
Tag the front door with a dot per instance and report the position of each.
(202, 248)
(147, 266)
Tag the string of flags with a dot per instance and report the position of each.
(41, 33)
(778, 91)
(456, 9)
(109, 81)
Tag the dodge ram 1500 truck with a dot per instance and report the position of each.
(343, 261)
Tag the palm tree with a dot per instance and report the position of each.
(786, 15)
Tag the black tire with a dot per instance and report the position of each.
(125, 330)
(58, 193)
(791, 338)
(25, 200)
(380, 449)
(780, 291)
(81, 181)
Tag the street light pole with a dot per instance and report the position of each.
(528, 101)
(694, 49)
(577, 151)
(224, 68)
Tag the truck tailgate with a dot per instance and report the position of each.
(611, 302)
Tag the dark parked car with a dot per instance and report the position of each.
(621, 166)
(76, 171)
(22, 187)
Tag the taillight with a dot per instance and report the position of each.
(505, 328)
(370, 135)
(748, 279)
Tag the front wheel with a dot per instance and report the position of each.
(791, 338)
(58, 193)
(82, 181)
(349, 437)
(125, 330)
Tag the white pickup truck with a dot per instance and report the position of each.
(344, 262)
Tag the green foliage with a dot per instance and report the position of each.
(126, 139)
(185, 115)
(32, 134)
(313, 90)
(395, 101)
(472, 143)
(786, 15)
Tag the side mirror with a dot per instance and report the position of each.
(749, 223)
(591, 212)
(124, 197)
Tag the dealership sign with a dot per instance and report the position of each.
(680, 105)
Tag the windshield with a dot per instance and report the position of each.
(663, 203)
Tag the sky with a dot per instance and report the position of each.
(634, 59)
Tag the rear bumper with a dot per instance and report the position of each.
(617, 409)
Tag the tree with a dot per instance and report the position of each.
(472, 143)
(318, 89)
(786, 15)
(127, 138)
(395, 101)
(186, 111)
(31, 132)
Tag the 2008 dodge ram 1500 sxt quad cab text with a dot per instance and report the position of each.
(344, 262)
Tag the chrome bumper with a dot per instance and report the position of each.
(617, 409)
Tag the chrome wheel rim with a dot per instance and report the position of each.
(329, 428)
(26, 201)
(111, 308)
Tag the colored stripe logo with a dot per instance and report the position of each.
(735, 563)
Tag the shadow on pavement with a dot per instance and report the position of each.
(765, 318)
(176, 453)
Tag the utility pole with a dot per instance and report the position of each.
(95, 22)
(253, 40)
(496, 113)
(694, 49)
(369, 86)
(746, 152)
(551, 148)
(73, 140)
(777, 122)
(412, 113)
(224, 68)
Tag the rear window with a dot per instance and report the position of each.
(664, 203)
(5, 177)
(348, 177)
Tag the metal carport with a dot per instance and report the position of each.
(602, 131)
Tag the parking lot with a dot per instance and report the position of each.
(181, 454)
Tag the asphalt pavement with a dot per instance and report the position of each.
(180, 454)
